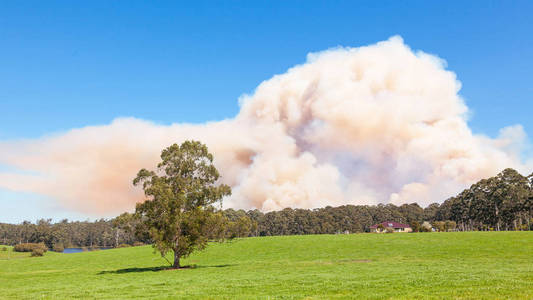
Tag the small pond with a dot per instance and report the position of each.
(78, 250)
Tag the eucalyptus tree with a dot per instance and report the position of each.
(481, 210)
(181, 212)
(460, 209)
(444, 211)
(511, 194)
(430, 212)
(411, 212)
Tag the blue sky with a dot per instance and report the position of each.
(67, 64)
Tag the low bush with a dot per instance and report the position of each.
(426, 227)
(439, 225)
(4, 248)
(58, 247)
(29, 247)
(136, 244)
(37, 252)
(123, 246)
(389, 230)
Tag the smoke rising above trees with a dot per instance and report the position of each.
(368, 125)
(502, 202)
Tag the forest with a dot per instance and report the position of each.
(502, 202)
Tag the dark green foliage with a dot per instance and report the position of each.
(502, 202)
(129, 229)
(4, 248)
(238, 224)
(99, 233)
(411, 212)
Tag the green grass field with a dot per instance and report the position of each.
(472, 265)
(10, 254)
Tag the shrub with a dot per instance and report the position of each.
(136, 244)
(389, 230)
(123, 246)
(4, 248)
(450, 225)
(415, 226)
(37, 252)
(58, 247)
(29, 247)
(425, 227)
(440, 226)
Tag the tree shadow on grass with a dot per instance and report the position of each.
(212, 266)
(160, 268)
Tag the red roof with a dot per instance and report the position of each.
(387, 224)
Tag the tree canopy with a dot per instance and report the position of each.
(180, 211)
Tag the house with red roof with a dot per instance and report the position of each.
(396, 227)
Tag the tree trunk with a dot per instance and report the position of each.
(497, 217)
(176, 264)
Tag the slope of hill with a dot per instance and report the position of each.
(426, 265)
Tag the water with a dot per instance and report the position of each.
(78, 250)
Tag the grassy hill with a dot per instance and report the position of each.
(469, 265)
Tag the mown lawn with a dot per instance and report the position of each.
(474, 265)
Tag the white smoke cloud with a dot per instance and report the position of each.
(364, 125)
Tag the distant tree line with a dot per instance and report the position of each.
(99, 233)
(502, 202)
(122, 230)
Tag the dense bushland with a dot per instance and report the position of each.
(502, 202)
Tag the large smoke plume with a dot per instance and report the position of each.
(366, 125)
